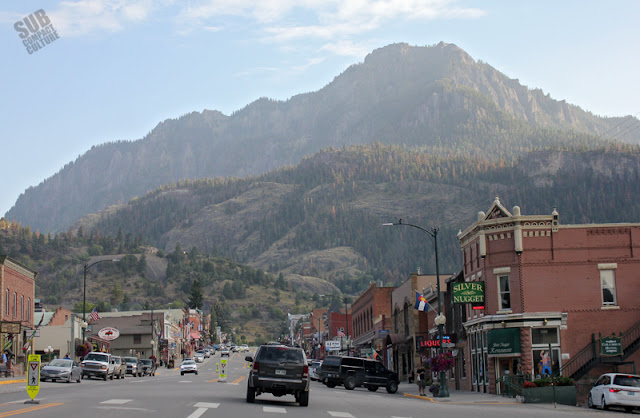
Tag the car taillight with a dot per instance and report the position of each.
(256, 367)
(612, 390)
(305, 371)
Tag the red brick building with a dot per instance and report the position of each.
(17, 293)
(371, 312)
(549, 284)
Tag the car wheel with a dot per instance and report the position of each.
(181, 373)
(603, 404)
(392, 387)
(330, 385)
(251, 394)
(628, 409)
(372, 388)
(350, 383)
(111, 376)
(79, 378)
(196, 372)
(105, 377)
(304, 398)
(590, 402)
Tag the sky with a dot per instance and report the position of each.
(113, 69)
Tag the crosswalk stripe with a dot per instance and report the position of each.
(117, 401)
(340, 414)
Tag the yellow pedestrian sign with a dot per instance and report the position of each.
(223, 370)
(33, 377)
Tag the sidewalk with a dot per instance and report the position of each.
(455, 396)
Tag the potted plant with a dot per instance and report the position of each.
(542, 390)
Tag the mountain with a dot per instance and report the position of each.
(323, 217)
(436, 99)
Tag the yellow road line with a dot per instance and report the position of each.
(240, 379)
(6, 382)
(426, 398)
(29, 409)
(214, 380)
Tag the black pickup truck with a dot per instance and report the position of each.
(354, 371)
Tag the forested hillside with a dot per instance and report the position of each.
(323, 217)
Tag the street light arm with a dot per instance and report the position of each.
(433, 232)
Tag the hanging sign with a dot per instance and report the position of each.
(108, 333)
(468, 292)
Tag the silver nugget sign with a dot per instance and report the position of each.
(468, 292)
(36, 31)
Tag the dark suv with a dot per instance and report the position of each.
(354, 371)
(279, 370)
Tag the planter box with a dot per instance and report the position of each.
(565, 395)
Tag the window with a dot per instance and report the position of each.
(608, 284)
(544, 336)
(28, 309)
(505, 292)
(15, 304)
(21, 306)
(137, 338)
(6, 301)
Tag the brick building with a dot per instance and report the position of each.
(549, 284)
(17, 293)
(369, 310)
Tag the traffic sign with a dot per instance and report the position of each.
(223, 370)
(33, 377)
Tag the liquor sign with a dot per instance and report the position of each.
(468, 292)
(611, 346)
(108, 333)
(422, 342)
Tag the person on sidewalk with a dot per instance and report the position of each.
(421, 379)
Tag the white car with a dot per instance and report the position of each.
(224, 351)
(199, 357)
(313, 369)
(244, 348)
(188, 366)
(616, 389)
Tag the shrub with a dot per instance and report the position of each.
(529, 385)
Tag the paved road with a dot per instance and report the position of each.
(193, 396)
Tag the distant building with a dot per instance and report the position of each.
(371, 312)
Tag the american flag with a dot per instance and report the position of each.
(94, 314)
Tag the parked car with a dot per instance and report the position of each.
(98, 364)
(134, 366)
(244, 348)
(199, 357)
(354, 372)
(148, 367)
(313, 369)
(224, 351)
(279, 370)
(120, 367)
(616, 389)
(188, 366)
(61, 369)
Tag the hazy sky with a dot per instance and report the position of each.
(120, 67)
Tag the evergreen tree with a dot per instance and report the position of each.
(196, 298)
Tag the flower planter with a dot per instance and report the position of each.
(565, 395)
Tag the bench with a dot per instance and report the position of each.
(5, 372)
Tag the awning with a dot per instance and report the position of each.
(195, 335)
(396, 339)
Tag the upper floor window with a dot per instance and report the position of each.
(608, 285)
(28, 309)
(6, 301)
(21, 306)
(504, 287)
(15, 304)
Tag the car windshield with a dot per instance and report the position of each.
(188, 362)
(61, 363)
(622, 380)
(146, 361)
(97, 357)
(131, 360)
(285, 354)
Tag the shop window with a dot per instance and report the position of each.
(505, 292)
(544, 336)
(544, 363)
(464, 364)
(608, 284)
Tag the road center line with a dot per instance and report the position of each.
(30, 409)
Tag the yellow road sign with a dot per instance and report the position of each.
(33, 376)
(223, 369)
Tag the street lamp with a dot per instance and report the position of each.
(48, 351)
(84, 291)
(440, 320)
(346, 319)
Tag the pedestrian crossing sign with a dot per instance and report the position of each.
(33, 376)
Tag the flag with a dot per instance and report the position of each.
(94, 314)
(421, 303)
(341, 333)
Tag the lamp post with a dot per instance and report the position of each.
(440, 320)
(48, 351)
(346, 319)
(87, 266)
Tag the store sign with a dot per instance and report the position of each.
(468, 292)
(611, 346)
(108, 333)
(332, 345)
(503, 341)
(10, 328)
(422, 342)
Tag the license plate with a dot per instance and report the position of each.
(631, 393)
(281, 372)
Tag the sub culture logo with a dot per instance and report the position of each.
(36, 31)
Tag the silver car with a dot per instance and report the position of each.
(65, 370)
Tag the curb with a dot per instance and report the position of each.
(426, 398)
